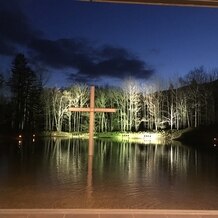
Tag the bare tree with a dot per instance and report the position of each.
(132, 101)
(101, 101)
(78, 97)
(48, 110)
(60, 106)
(194, 85)
(154, 105)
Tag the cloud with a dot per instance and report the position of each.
(62, 53)
(118, 62)
(89, 62)
(15, 29)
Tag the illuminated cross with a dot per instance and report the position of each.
(92, 111)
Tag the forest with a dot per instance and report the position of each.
(27, 105)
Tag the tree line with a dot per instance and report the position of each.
(191, 101)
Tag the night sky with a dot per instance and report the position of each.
(102, 43)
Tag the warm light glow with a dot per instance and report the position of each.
(143, 137)
(20, 136)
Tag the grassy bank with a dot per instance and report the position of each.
(153, 137)
(200, 135)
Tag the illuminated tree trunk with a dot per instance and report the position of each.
(132, 99)
(60, 107)
(101, 101)
(46, 98)
(77, 97)
(119, 103)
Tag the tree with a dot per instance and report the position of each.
(26, 90)
(46, 97)
(1, 80)
(5, 108)
(100, 118)
(119, 122)
(104, 99)
(132, 104)
(78, 97)
(196, 94)
(59, 107)
(153, 103)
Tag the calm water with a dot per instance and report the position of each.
(57, 173)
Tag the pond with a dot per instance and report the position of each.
(58, 173)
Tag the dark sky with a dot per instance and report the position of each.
(102, 42)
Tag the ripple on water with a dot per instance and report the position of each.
(123, 176)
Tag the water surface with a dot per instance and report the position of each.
(57, 173)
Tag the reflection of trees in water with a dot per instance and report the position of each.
(114, 154)
(173, 160)
(65, 156)
(132, 160)
(151, 174)
(149, 161)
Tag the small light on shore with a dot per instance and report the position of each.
(20, 136)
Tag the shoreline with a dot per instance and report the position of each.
(191, 136)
